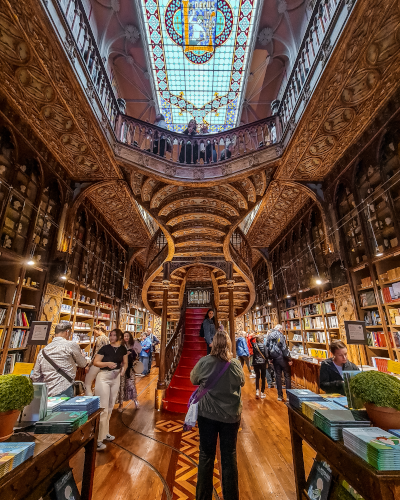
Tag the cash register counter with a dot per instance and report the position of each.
(34, 478)
(306, 374)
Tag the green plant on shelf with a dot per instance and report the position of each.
(380, 389)
(16, 392)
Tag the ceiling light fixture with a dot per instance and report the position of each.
(318, 281)
(63, 277)
(31, 262)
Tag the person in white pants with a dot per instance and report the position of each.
(100, 335)
(112, 359)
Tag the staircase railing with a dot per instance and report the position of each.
(174, 347)
(198, 149)
(241, 251)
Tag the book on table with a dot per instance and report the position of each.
(319, 480)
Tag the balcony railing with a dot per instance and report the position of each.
(81, 42)
(198, 149)
(326, 23)
(241, 251)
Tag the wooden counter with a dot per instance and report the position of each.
(368, 482)
(33, 479)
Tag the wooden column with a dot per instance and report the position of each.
(161, 386)
(231, 284)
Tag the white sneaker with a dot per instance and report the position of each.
(257, 394)
(101, 446)
(253, 375)
(109, 438)
(263, 396)
(280, 399)
(137, 404)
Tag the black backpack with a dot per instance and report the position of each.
(201, 331)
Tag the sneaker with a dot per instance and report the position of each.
(253, 375)
(280, 399)
(109, 438)
(101, 446)
(257, 394)
(263, 396)
(137, 404)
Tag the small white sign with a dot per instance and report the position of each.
(39, 332)
(356, 332)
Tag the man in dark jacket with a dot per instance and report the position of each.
(331, 374)
(278, 352)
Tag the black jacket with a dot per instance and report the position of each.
(258, 358)
(330, 380)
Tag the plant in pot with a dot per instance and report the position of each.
(16, 392)
(381, 395)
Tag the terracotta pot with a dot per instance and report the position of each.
(383, 417)
(7, 423)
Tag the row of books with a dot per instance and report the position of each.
(3, 313)
(290, 314)
(80, 325)
(372, 318)
(316, 336)
(367, 299)
(18, 338)
(366, 282)
(332, 321)
(313, 323)
(297, 337)
(394, 315)
(22, 319)
(391, 293)
(390, 275)
(293, 325)
(10, 362)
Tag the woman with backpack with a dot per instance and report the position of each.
(219, 413)
(260, 362)
(242, 350)
(280, 355)
(208, 329)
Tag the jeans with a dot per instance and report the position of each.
(281, 365)
(209, 430)
(208, 348)
(107, 387)
(145, 361)
(150, 361)
(243, 360)
(261, 372)
(68, 393)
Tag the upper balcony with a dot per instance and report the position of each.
(200, 157)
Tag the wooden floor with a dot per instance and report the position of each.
(150, 459)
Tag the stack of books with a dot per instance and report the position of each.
(377, 447)
(54, 402)
(89, 404)
(332, 422)
(298, 396)
(5, 463)
(336, 398)
(308, 408)
(61, 422)
(19, 452)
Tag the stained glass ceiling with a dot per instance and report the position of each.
(199, 52)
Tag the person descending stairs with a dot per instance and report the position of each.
(194, 347)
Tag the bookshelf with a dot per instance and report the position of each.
(262, 317)
(135, 321)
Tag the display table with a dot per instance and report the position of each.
(368, 482)
(34, 478)
(306, 374)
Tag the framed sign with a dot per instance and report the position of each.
(356, 332)
(39, 333)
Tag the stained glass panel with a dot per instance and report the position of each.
(199, 53)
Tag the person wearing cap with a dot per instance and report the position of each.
(66, 355)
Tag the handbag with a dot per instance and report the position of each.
(78, 385)
(193, 411)
(138, 366)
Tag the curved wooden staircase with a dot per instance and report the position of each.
(194, 347)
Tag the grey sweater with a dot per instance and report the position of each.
(224, 401)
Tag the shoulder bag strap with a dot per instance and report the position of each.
(57, 368)
(212, 380)
(258, 349)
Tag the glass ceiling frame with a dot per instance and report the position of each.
(206, 84)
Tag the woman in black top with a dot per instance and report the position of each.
(127, 388)
(112, 359)
(260, 365)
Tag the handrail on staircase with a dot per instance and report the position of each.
(198, 149)
(174, 347)
(241, 251)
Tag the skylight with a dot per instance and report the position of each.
(198, 52)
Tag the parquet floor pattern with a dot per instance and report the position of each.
(150, 467)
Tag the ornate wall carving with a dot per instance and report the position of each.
(346, 312)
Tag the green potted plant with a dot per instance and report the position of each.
(16, 392)
(381, 395)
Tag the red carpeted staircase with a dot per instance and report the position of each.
(194, 347)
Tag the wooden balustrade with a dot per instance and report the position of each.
(241, 251)
(197, 149)
(174, 348)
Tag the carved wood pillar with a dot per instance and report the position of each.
(161, 385)
(231, 284)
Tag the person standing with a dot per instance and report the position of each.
(112, 359)
(260, 361)
(279, 353)
(242, 350)
(127, 386)
(159, 140)
(56, 363)
(100, 336)
(219, 413)
(331, 374)
(249, 337)
(145, 354)
(209, 329)
(154, 341)
(188, 150)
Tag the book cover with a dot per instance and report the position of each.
(65, 487)
(319, 481)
